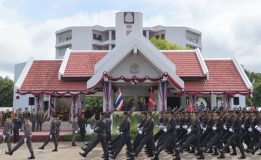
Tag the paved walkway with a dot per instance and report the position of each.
(67, 152)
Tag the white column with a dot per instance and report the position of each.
(148, 34)
(213, 99)
(110, 35)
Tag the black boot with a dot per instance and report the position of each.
(83, 154)
(242, 157)
(201, 157)
(222, 156)
(73, 144)
(41, 148)
(233, 153)
(55, 149)
(32, 156)
(9, 152)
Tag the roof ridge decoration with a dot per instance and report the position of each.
(23, 75)
(64, 63)
(243, 74)
(202, 63)
(132, 42)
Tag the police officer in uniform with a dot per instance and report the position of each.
(33, 120)
(52, 135)
(7, 132)
(27, 138)
(81, 123)
(17, 127)
(40, 119)
(146, 136)
(235, 137)
(74, 130)
(124, 137)
(99, 136)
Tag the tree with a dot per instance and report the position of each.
(6, 92)
(163, 44)
(255, 79)
(93, 102)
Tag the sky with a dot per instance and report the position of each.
(229, 28)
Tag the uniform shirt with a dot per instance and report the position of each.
(8, 127)
(148, 127)
(28, 129)
(125, 126)
(74, 125)
(17, 124)
(40, 117)
(237, 125)
(53, 126)
(100, 127)
(26, 114)
(34, 117)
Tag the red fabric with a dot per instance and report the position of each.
(152, 102)
(190, 108)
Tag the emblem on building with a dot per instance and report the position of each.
(129, 17)
(134, 68)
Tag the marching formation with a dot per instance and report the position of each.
(201, 133)
(216, 133)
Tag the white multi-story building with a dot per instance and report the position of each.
(105, 38)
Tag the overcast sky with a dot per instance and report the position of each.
(229, 28)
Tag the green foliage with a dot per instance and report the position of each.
(6, 92)
(255, 79)
(93, 102)
(163, 44)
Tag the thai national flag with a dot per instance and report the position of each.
(119, 102)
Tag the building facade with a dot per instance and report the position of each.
(134, 66)
(105, 38)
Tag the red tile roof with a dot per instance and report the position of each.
(187, 63)
(81, 64)
(223, 76)
(43, 76)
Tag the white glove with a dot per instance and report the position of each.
(214, 128)
(50, 136)
(177, 127)
(19, 130)
(225, 127)
(189, 130)
(250, 129)
(185, 126)
(161, 127)
(75, 131)
(165, 129)
(140, 131)
(4, 137)
(25, 140)
(138, 125)
(120, 133)
(242, 126)
(230, 130)
(204, 129)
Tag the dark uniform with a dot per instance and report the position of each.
(99, 136)
(17, 127)
(33, 120)
(81, 123)
(40, 120)
(123, 138)
(7, 131)
(235, 137)
(27, 138)
(52, 135)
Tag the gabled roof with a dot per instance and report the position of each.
(132, 44)
(43, 76)
(187, 63)
(81, 64)
(223, 76)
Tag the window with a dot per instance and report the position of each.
(65, 37)
(157, 36)
(97, 37)
(236, 100)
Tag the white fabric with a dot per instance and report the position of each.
(214, 128)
